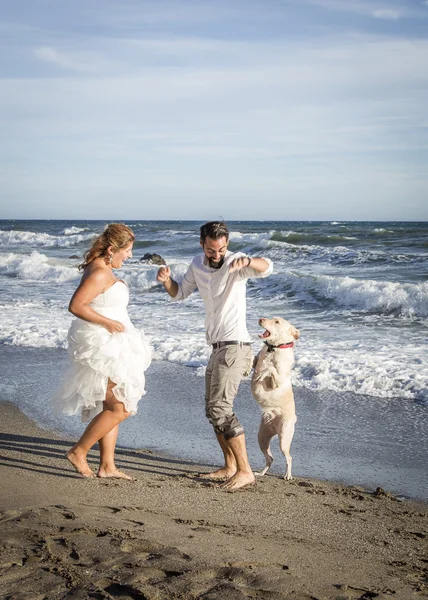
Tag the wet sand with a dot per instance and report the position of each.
(169, 534)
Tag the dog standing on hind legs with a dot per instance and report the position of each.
(271, 387)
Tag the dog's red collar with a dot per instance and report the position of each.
(272, 348)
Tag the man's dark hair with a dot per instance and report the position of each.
(214, 230)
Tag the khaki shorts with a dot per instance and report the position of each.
(226, 368)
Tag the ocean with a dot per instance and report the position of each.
(357, 291)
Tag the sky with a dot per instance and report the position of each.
(191, 109)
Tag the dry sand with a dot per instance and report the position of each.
(169, 535)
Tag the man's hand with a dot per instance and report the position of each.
(164, 274)
(239, 263)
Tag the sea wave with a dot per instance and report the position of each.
(336, 367)
(361, 295)
(335, 246)
(142, 278)
(297, 238)
(147, 243)
(237, 236)
(30, 238)
(39, 267)
(357, 364)
(384, 297)
(381, 374)
(36, 267)
(291, 237)
(340, 255)
(340, 250)
(73, 230)
(34, 324)
(381, 230)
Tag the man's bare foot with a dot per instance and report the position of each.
(222, 474)
(79, 462)
(239, 480)
(114, 474)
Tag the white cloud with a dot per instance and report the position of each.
(50, 55)
(336, 95)
(169, 12)
(111, 110)
(387, 14)
(392, 10)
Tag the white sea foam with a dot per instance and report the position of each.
(350, 326)
(386, 297)
(365, 295)
(176, 333)
(36, 267)
(311, 235)
(378, 372)
(34, 324)
(193, 353)
(38, 335)
(319, 366)
(340, 254)
(30, 238)
(237, 236)
(73, 230)
(143, 276)
(181, 233)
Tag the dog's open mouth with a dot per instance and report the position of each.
(265, 334)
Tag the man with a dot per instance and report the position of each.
(221, 276)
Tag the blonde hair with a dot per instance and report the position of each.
(116, 235)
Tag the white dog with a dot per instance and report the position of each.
(271, 387)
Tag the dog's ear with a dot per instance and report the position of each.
(295, 333)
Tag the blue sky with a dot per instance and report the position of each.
(255, 109)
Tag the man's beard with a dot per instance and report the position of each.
(216, 265)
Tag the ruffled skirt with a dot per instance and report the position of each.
(98, 356)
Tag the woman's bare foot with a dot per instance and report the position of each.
(114, 474)
(239, 480)
(79, 462)
(222, 474)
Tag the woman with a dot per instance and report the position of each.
(109, 356)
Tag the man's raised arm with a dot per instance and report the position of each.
(164, 276)
(178, 291)
(251, 267)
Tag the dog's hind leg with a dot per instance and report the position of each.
(266, 433)
(285, 437)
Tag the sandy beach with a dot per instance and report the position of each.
(170, 535)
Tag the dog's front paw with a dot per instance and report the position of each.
(262, 375)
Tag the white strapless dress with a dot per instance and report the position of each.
(98, 356)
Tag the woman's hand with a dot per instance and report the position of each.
(114, 326)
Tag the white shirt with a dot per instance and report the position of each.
(223, 294)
